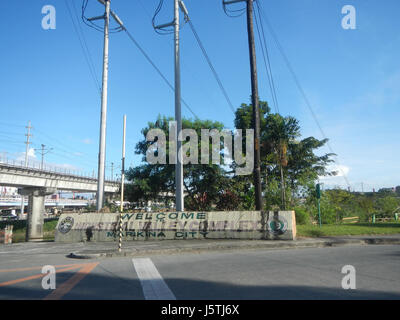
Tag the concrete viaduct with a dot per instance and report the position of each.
(36, 184)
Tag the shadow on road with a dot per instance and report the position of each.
(113, 287)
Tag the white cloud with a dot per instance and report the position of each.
(87, 141)
(338, 179)
(31, 155)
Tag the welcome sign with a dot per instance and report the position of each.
(77, 227)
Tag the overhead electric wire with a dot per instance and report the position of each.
(217, 78)
(84, 47)
(55, 143)
(227, 11)
(300, 88)
(267, 62)
(162, 31)
(12, 125)
(92, 24)
(157, 69)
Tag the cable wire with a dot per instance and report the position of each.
(93, 25)
(157, 69)
(267, 62)
(217, 78)
(233, 13)
(85, 49)
(300, 88)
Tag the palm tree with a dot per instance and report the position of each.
(280, 132)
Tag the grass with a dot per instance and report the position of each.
(348, 229)
(19, 230)
(344, 229)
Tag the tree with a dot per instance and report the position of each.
(203, 183)
(387, 205)
(287, 163)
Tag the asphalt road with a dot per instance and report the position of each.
(313, 273)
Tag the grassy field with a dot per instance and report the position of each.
(348, 229)
(19, 230)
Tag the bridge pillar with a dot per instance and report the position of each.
(36, 209)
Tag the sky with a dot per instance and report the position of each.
(351, 78)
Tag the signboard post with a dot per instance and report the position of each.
(318, 191)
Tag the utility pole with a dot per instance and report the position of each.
(122, 185)
(254, 101)
(123, 165)
(112, 171)
(28, 135)
(43, 152)
(179, 200)
(178, 115)
(103, 117)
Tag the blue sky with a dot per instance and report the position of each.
(352, 78)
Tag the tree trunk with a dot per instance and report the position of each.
(283, 191)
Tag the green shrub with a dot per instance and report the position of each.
(302, 217)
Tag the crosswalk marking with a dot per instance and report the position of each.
(153, 285)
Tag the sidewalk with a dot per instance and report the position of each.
(142, 248)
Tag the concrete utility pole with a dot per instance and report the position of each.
(112, 171)
(254, 101)
(178, 116)
(179, 200)
(123, 165)
(103, 118)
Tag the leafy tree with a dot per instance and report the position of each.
(387, 205)
(287, 163)
(203, 183)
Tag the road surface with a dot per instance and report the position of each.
(310, 273)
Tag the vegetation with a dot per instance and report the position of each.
(348, 229)
(19, 229)
(290, 168)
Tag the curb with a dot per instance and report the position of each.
(229, 247)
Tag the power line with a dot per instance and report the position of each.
(264, 49)
(93, 25)
(217, 78)
(11, 125)
(300, 88)
(68, 148)
(157, 69)
(85, 50)
(235, 13)
(192, 73)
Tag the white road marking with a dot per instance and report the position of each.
(153, 285)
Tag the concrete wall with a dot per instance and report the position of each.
(77, 227)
